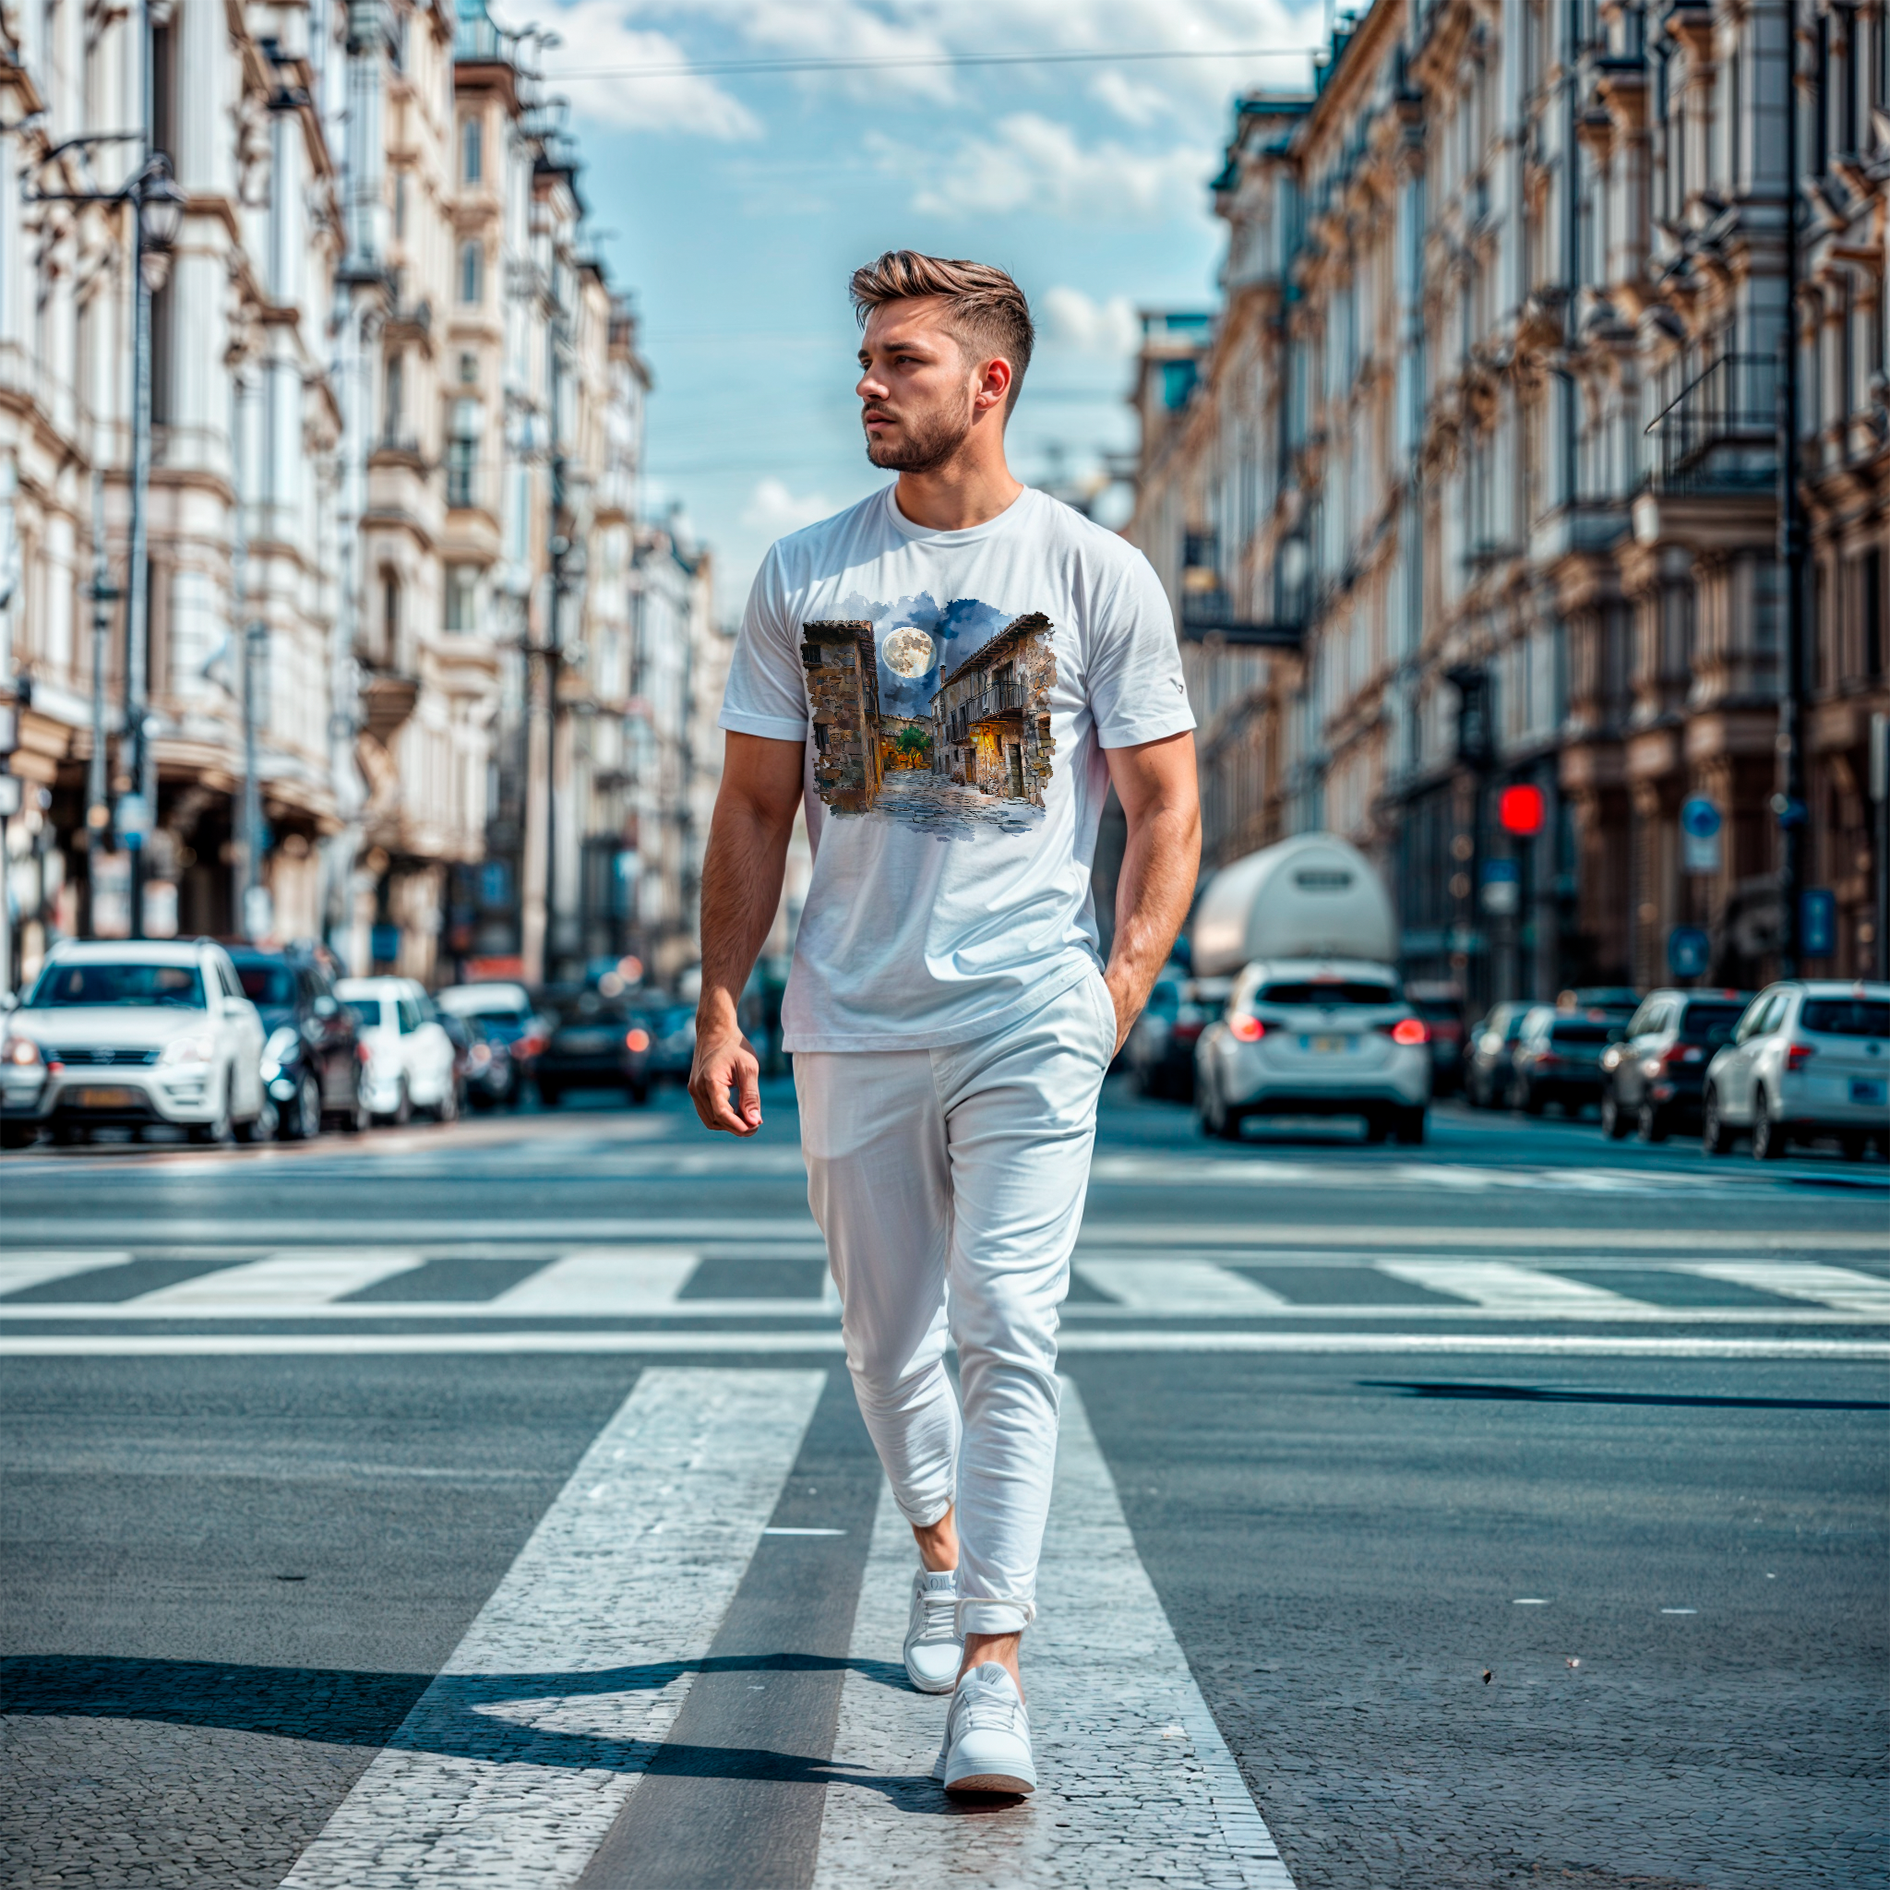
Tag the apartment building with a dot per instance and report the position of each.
(1472, 481)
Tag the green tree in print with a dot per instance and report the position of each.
(914, 741)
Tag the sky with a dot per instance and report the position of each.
(732, 206)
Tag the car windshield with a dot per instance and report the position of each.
(1583, 1033)
(368, 1013)
(1710, 1023)
(1846, 1017)
(173, 987)
(1325, 992)
(271, 985)
(496, 1026)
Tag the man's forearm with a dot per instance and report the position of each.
(1152, 894)
(741, 891)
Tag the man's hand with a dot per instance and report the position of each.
(1128, 1002)
(725, 1062)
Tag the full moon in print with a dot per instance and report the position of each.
(908, 651)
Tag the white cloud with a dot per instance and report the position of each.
(1071, 320)
(1132, 100)
(1028, 162)
(773, 509)
(598, 35)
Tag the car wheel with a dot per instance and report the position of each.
(1651, 1125)
(302, 1120)
(1530, 1103)
(1769, 1139)
(18, 1134)
(402, 1112)
(216, 1132)
(1614, 1119)
(1409, 1127)
(1377, 1127)
(447, 1108)
(356, 1117)
(66, 1133)
(1715, 1137)
(262, 1126)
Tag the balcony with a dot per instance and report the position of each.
(1211, 614)
(1720, 433)
(1000, 699)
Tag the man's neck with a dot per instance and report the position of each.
(959, 495)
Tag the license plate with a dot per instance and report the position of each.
(1866, 1090)
(106, 1098)
(1327, 1046)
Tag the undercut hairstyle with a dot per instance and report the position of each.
(984, 309)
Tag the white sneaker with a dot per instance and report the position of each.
(934, 1647)
(987, 1736)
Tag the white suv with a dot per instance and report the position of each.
(1807, 1059)
(410, 1058)
(128, 1032)
(1306, 1037)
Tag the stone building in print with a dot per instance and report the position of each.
(991, 716)
(843, 700)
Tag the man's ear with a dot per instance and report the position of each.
(994, 385)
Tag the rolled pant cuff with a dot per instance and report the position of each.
(995, 1617)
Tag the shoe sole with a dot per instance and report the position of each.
(1003, 1784)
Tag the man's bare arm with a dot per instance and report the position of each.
(741, 889)
(1160, 796)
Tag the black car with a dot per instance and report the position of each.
(311, 1062)
(1557, 1059)
(1489, 1068)
(596, 1043)
(491, 1071)
(1652, 1082)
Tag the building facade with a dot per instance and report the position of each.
(389, 636)
(1474, 483)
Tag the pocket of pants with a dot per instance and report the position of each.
(1106, 1014)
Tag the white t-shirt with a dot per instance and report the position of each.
(955, 691)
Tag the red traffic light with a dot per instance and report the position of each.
(1519, 809)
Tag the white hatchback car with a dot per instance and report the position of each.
(410, 1059)
(1315, 1037)
(129, 1032)
(1809, 1058)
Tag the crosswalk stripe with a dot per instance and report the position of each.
(1501, 1284)
(1177, 1286)
(306, 1277)
(604, 1280)
(512, 1765)
(1841, 1288)
(1136, 1785)
(18, 1271)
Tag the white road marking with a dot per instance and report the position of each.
(1136, 1785)
(1503, 1285)
(307, 1276)
(1177, 1286)
(514, 1762)
(1839, 1287)
(819, 1342)
(18, 1271)
(604, 1280)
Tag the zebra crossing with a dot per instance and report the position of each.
(525, 1757)
(784, 1280)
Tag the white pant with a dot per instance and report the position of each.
(963, 1168)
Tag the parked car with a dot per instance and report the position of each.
(1616, 1002)
(596, 1043)
(1808, 1059)
(1557, 1059)
(491, 1075)
(132, 1033)
(1161, 1045)
(507, 1022)
(673, 1043)
(1441, 1007)
(311, 1058)
(411, 1063)
(1489, 1064)
(1319, 1037)
(1652, 1081)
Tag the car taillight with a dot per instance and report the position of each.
(1682, 1053)
(1548, 1060)
(1408, 1031)
(638, 1040)
(1246, 1029)
(1187, 1029)
(361, 1051)
(1797, 1055)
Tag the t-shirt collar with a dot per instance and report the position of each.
(1002, 521)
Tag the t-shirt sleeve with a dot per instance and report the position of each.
(1136, 690)
(767, 689)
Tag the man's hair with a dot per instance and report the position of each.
(984, 308)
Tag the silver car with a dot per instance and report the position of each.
(133, 1032)
(1809, 1058)
(1324, 1037)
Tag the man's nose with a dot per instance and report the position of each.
(870, 386)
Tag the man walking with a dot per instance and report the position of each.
(950, 675)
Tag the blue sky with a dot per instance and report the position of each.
(734, 206)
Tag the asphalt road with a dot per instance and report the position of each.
(1506, 1512)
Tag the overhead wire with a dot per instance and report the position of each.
(762, 68)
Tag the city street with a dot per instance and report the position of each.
(488, 1505)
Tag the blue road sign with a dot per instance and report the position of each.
(1688, 951)
(1817, 923)
(1699, 817)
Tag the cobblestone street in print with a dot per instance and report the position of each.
(923, 800)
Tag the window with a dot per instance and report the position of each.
(462, 598)
(472, 150)
(390, 617)
(394, 402)
(400, 206)
(91, 984)
(462, 454)
(471, 274)
(1846, 1017)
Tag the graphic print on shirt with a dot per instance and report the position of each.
(936, 716)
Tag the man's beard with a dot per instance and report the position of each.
(927, 443)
